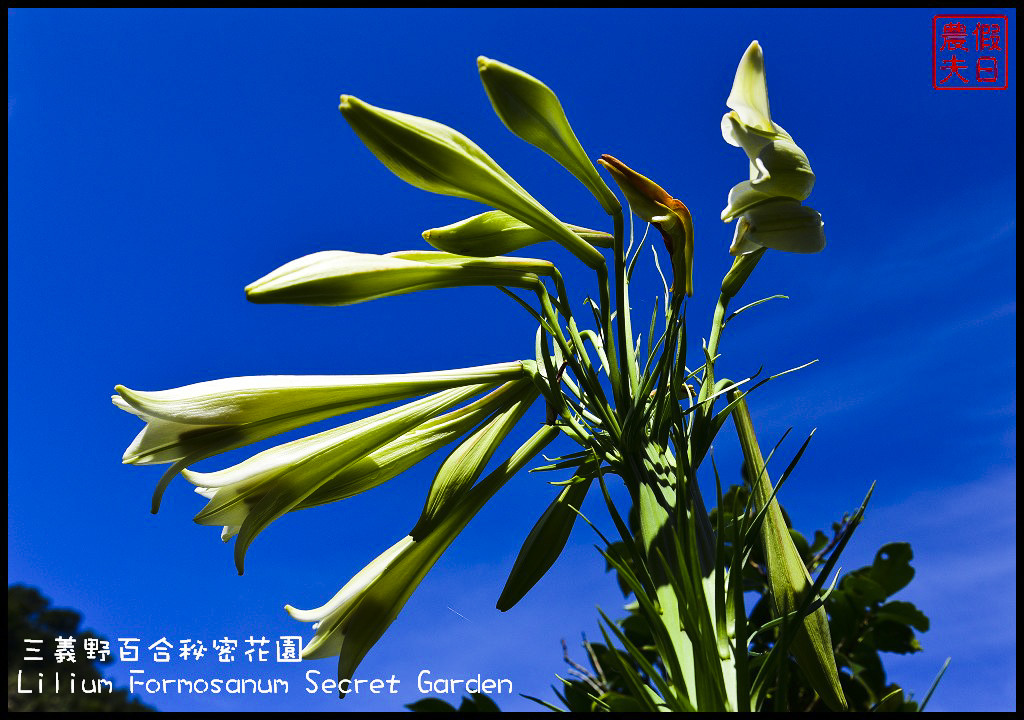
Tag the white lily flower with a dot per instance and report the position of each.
(778, 167)
(190, 423)
(768, 204)
(218, 415)
(257, 491)
(364, 473)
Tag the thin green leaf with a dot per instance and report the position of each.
(753, 304)
(935, 684)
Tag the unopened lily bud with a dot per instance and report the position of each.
(436, 158)
(338, 277)
(780, 224)
(351, 622)
(466, 463)
(257, 491)
(497, 233)
(788, 579)
(544, 544)
(741, 268)
(368, 471)
(531, 110)
(672, 218)
(187, 424)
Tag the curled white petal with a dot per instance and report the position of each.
(781, 224)
(749, 95)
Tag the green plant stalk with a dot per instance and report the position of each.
(588, 379)
(625, 339)
(788, 578)
(592, 383)
(605, 303)
(708, 383)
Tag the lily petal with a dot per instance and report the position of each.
(237, 495)
(781, 224)
(215, 416)
(749, 95)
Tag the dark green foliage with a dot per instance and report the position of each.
(477, 702)
(864, 622)
(30, 617)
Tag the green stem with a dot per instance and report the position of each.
(625, 334)
(708, 384)
(592, 383)
(609, 335)
(788, 579)
(588, 379)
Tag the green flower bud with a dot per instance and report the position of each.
(436, 158)
(355, 618)
(788, 578)
(531, 110)
(497, 233)
(339, 277)
(394, 458)
(544, 543)
(466, 463)
(741, 268)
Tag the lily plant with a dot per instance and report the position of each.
(646, 421)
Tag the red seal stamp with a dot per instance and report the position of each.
(970, 52)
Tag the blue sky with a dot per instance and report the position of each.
(159, 161)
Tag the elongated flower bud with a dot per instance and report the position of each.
(672, 218)
(466, 463)
(339, 277)
(531, 110)
(497, 233)
(544, 544)
(436, 158)
(788, 578)
(366, 472)
(355, 618)
(190, 423)
(741, 268)
(257, 491)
